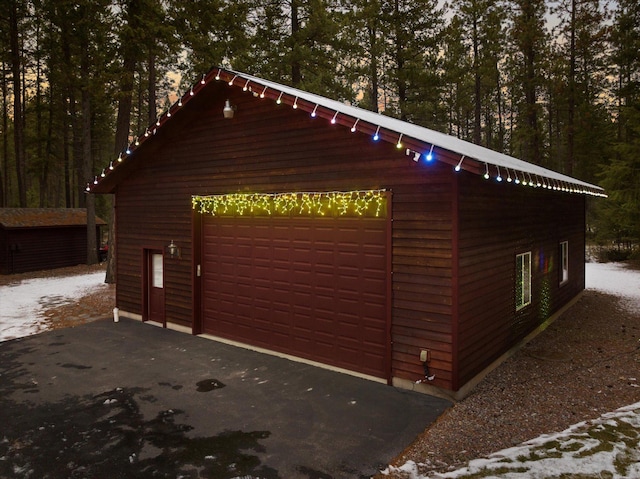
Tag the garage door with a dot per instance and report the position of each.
(312, 287)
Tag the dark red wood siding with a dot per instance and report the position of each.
(269, 148)
(313, 287)
(496, 223)
(454, 236)
(33, 249)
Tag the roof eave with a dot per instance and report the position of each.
(418, 142)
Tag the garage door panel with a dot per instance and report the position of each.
(311, 287)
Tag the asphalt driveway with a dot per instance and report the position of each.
(128, 400)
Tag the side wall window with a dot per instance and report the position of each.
(564, 261)
(523, 280)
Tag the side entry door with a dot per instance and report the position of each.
(154, 291)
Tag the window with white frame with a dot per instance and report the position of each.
(523, 280)
(564, 261)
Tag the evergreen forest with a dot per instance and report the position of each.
(556, 83)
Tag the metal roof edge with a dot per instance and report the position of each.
(415, 139)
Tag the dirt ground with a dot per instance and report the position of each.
(586, 363)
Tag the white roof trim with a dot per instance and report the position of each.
(478, 158)
(440, 140)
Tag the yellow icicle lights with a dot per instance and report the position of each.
(367, 203)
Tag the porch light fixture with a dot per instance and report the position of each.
(228, 110)
(173, 250)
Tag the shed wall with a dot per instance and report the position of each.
(269, 149)
(33, 249)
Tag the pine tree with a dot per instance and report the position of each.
(362, 34)
(619, 216)
(482, 33)
(580, 52)
(531, 47)
(412, 58)
(458, 83)
(211, 32)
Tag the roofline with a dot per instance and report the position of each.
(419, 142)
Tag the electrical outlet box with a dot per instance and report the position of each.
(425, 355)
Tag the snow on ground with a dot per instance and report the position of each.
(605, 447)
(22, 305)
(608, 446)
(614, 278)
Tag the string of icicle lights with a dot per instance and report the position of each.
(415, 147)
(364, 203)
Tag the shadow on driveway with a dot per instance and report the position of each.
(127, 400)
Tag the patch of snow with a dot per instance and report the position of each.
(589, 449)
(615, 279)
(22, 305)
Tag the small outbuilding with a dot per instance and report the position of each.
(262, 215)
(33, 239)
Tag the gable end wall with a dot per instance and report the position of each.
(268, 148)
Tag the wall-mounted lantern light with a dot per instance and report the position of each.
(228, 110)
(173, 250)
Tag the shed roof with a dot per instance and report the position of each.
(420, 143)
(44, 217)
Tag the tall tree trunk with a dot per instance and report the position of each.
(477, 93)
(373, 66)
(66, 114)
(399, 57)
(18, 131)
(296, 72)
(87, 160)
(500, 113)
(569, 162)
(125, 99)
(77, 172)
(5, 140)
(531, 151)
(151, 88)
(123, 125)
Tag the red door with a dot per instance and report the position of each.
(154, 304)
(313, 288)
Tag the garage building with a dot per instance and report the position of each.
(266, 216)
